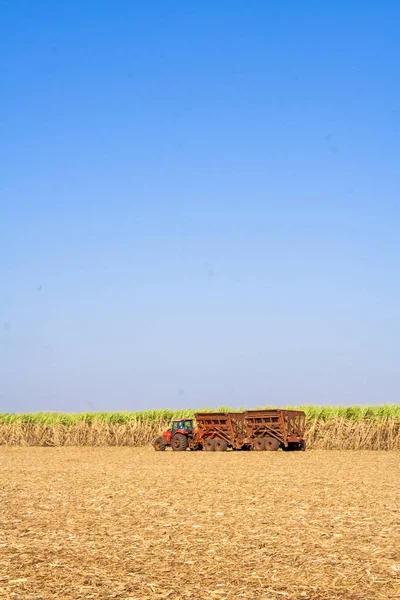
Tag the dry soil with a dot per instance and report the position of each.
(135, 524)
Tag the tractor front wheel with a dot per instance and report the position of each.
(179, 442)
(159, 444)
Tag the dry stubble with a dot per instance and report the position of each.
(132, 523)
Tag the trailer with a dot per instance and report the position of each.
(220, 431)
(274, 429)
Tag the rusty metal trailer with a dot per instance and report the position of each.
(219, 431)
(278, 428)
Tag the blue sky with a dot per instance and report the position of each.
(199, 204)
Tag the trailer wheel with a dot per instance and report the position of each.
(220, 445)
(259, 444)
(271, 444)
(288, 448)
(209, 445)
(179, 442)
(302, 445)
(159, 444)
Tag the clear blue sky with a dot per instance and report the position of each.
(199, 204)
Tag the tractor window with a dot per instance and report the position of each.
(182, 425)
(176, 425)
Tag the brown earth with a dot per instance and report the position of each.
(131, 523)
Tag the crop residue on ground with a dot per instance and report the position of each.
(130, 523)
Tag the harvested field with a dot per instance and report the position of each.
(130, 523)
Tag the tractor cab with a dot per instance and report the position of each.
(182, 425)
(180, 436)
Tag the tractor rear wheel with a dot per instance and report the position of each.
(179, 442)
(259, 444)
(302, 445)
(209, 445)
(271, 444)
(159, 444)
(220, 445)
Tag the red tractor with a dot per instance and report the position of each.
(180, 436)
